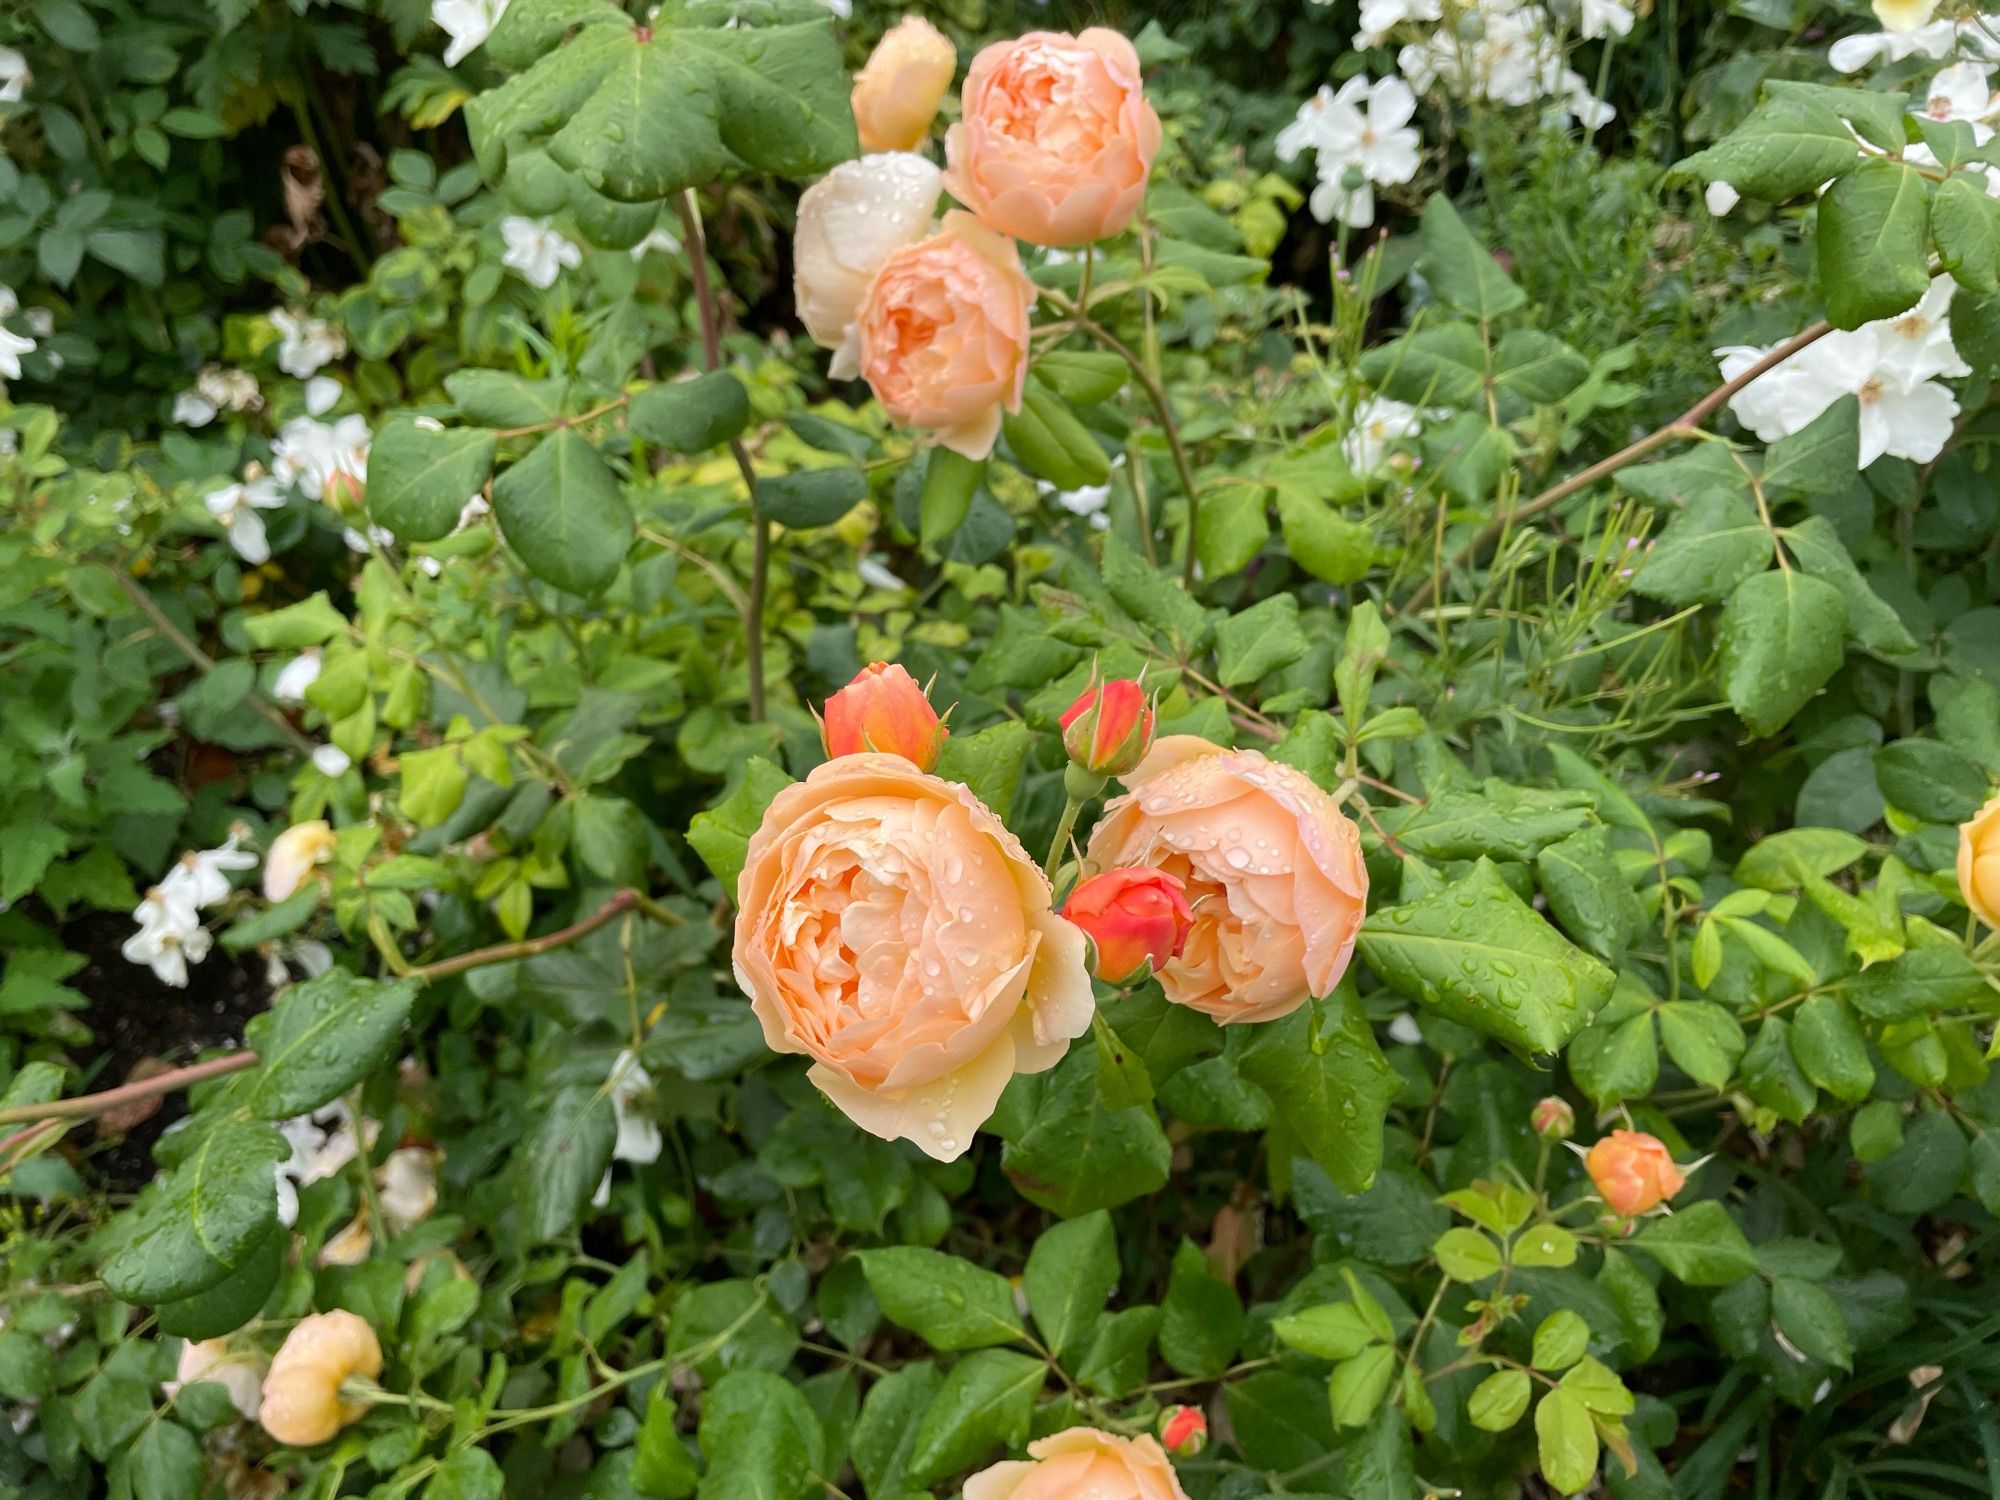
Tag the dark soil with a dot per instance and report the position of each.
(135, 1017)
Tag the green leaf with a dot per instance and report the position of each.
(1382, 1461)
(1500, 821)
(950, 481)
(1122, 1079)
(1561, 1340)
(1700, 1244)
(1076, 1153)
(1819, 551)
(1335, 1330)
(1460, 270)
(565, 1156)
(610, 837)
(1810, 1319)
(721, 835)
(1545, 1245)
(1328, 1084)
(421, 474)
(466, 1474)
(1788, 145)
(499, 398)
(1466, 1255)
(990, 762)
(1703, 1039)
(233, 1301)
(311, 622)
(201, 1221)
(691, 416)
(1616, 1061)
(1537, 366)
(1588, 894)
(1599, 1389)
(1259, 640)
(1771, 1075)
(1792, 858)
(1118, 1359)
(1780, 640)
(166, 1463)
(1640, 1315)
(812, 497)
(1072, 1271)
(1873, 242)
(1936, 782)
(1479, 955)
(1499, 1401)
(1151, 597)
(1830, 1048)
(760, 1439)
(986, 1401)
(1358, 1385)
(1201, 1320)
(1923, 981)
(1819, 458)
(561, 512)
(1231, 530)
(322, 1037)
(1709, 548)
(886, 1431)
(718, 1326)
(1566, 1441)
(1083, 377)
(951, 1303)
(1051, 443)
(1328, 545)
(1965, 223)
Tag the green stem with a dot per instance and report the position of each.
(1071, 807)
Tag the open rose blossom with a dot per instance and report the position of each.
(889, 927)
(849, 223)
(302, 1404)
(1134, 917)
(1272, 869)
(884, 709)
(896, 96)
(1634, 1172)
(1979, 863)
(1056, 137)
(944, 334)
(1082, 1464)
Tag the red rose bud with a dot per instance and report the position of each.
(1134, 916)
(883, 709)
(1553, 1119)
(1110, 728)
(1183, 1431)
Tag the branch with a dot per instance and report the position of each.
(1686, 425)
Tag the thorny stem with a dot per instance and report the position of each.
(696, 242)
(204, 663)
(1686, 425)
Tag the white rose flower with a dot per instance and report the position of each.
(850, 222)
(468, 23)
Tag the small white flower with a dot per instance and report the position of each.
(298, 674)
(193, 409)
(305, 344)
(639, 1139)
(1404, 1029)
(536, 250)
(1852, 53)
(1378, 423)
(308, 453)
(235, 507)
(1379, 16)
(1602, 17)
(1363, 139)
(408, 1185)
(14, 75)
(1917, 343)
(12, 345)
(322, 391)
(210, 1360)
(663, 240)
(170, 935)
(876, 576)
(202, 876)
(841, 8)
(232, 390)
(1720, 198)
(41, 321)
(331, 760)
(468, 23)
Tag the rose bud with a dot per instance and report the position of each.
(1183, 1431)
(1979, 863)
(1110, 728)
(343, 493)
(1136, 917)
(1553, 1119)
(896, 96)
(1633, 1171)
(302, 1404)
(293, 855)
(883, 709)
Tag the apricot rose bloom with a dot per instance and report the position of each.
(896, 95)
(1056, 137)
(944, 334)
(294, 853)
(1272, 869)
(849, 223)
(889, 927)
(1633, 1172)
(302, 1404)
(1082, 1464)
(1979, 863)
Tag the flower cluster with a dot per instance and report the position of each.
(217, 390)
(1362, 139)
(1497, 51)
(1053, 146)
(171, 935)
(1893, 367)
(12, 345)
(891, 928)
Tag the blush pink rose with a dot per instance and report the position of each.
(1056, 138)
(944, 334)
(889, 927)
(1272, 868)
(1082, 1464)
(896, 95)
(850, 221)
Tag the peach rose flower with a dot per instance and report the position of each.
(1056, 137)
(1633, 1172)
(849, 223)
(1082, 1464)
(293, 856)
(944, 334)
(1979, 863)
(896, 95)
(302, 1404)
(889, 927)
(1272, 869)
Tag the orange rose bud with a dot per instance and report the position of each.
(883, 709)
(1110, 728)
(1633, 1171)
(1553, 1119)
(1183, 1431)
(1135, 917)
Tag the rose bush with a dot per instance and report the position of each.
(767, 748)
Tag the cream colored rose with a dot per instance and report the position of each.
(1082, 1464)
(849, 223)
(1979, 863)
(240, 1374)
(896, 96)
(1271, 865)
(944, 334)
(302, 1402)
(889, 927)
(293, 855)
(1056, 137)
